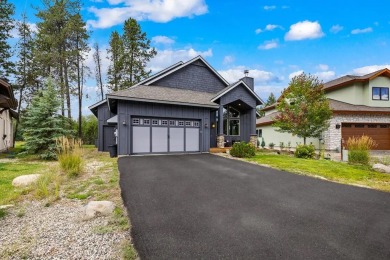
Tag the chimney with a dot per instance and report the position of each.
(248, 80)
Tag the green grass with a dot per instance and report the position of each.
(11, 170)
(331, 170)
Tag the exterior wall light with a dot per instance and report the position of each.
(213, 125)
(124, 122)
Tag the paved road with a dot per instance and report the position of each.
(208, 207)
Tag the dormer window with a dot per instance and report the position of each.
(380, 93)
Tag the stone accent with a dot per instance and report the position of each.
(98, 207)
(25, 180)
(253, 140)
(332, 136)
(220, 141)
(381, 168)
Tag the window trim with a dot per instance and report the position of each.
(228, 118)
(380, 94)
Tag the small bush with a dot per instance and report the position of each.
(271, 145)
(243, 150)
(305, 151)
(358, 149)
(281, 145)
(262, 143)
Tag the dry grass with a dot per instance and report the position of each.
(70, 155)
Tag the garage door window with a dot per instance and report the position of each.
(164, 122)
(181, 123)
(154, 122)
(146, 121)
(135, 121)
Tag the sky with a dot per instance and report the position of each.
(274, 40)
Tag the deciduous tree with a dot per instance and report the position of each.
(303, 109)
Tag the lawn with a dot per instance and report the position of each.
(330, 170)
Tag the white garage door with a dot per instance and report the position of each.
(160, 135)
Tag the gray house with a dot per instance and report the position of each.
(187, 107)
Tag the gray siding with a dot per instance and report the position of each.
(196, 76)
(239, 92)
(128, 109)
(103, 115)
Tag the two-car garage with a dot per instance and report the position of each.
(380, 133)
(164, 135)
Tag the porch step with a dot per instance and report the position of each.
(219, 150)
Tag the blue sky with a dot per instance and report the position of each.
(275, 40)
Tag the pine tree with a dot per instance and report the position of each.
(271, 100)
(98, 68)
(42, 123)
(115, 55)
(6, 25)
(25, 73)
(137, 53)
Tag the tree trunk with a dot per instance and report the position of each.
(304, 140)
(67, 90)
(19, 108)
(62, 89)
(80, 94)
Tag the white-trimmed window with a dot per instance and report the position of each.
(135, 121)
(154, 122)
(196, 124)
(181, 123)
(188, 123)
(164, 122)
(231, 121)
(146, 121)
(172, 122)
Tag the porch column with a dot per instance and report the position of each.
(220, 135)
(253, 135)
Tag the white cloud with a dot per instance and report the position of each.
(166, 58)
(260, 76)
(228, 59)
(369, 69)
(152, 10)
(103, 56)
(265, 90)
(304, 30)
(359, 31)
(269, 7)
(336, 28)
(160, 39)
(322, 67)
(268, 45)
(325, 75)
(294, 74)
(268, 27)
(15, 34)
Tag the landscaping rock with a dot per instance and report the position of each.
(25, 180)
(381, 168)
(101, 207)
(6, 206)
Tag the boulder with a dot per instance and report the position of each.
(94, 208)
(381, 168)
(6, 206)
(25, 180)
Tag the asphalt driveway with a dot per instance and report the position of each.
(208, 207)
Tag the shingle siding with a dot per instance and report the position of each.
(196, 77)
(129, 109)
(241, 93)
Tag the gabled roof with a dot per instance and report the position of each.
(162, 72)
(342, 107)
(149, 81)
(233, 86)
(167, 95)
(348, 79)
(7, 98)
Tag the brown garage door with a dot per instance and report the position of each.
(379, 132)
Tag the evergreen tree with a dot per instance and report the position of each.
(271, 100)
(25, 68)
(136, 53)
(304, 109)
(6, 25)
(115, 55)
(98, 68)
(43, 124)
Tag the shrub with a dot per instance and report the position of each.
(305, 151)
(271, 145)
(289, 145)
(262, 143)
(243, 150)
(281, 145)
(358, 149)
(70, 155)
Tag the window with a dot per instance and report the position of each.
(372, 126)
(384, 126)
(188, 123)
(135, 121)
(380, 93)
(154, 122)
(172, 122)
(146, 121)
(196, 124)
(164, 122)
(359, 125)
(181, 123)
(231, 121)
(259, 132)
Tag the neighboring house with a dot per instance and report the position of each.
(360, 106)
(187, 107)
(7, 104)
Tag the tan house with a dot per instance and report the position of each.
(360, 106)
(7, 105)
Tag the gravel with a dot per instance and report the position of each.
(32, 230)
